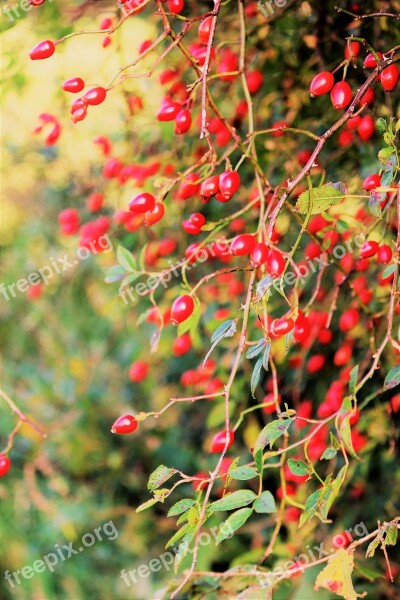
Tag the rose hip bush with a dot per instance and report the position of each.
(257, 254)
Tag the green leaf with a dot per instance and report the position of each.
(384, 154)
(391, 535)
(265, 357)
(263, 286)
(114, 273)
(179, 534)
(344, 426)
(298, 467)
(159, 476)
(381, 125)
(373, 546)
(271, 433)
(265, 503)
(256, 375)
(392, 379)
(342, 226)
(126, 259)
(328, 453)
(389, 270)
(310, 508)
(232, 524)
(233, 500)
(183, 548)
(257, 349)
(243, 473)
(397, 127)
(374, 204)
(389, 138)
(147, 504)
(180, 507)
(259, 460)
(353, 380)
(225, 330)
(330, 492)
(318, 199)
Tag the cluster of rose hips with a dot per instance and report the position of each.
(341, 92)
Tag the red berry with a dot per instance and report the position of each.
(371, 182)
(219, 441)
(176, 6)
(349, 319)
(138, 371)
(42, 50)
(242, 244)
(229, 183)
(384, 254)
(390, 77)
(275, 263)
(341, 95)
(322, 84)
(95, 95)
(366, 128)
(302, 329)
(5, 465)
(106, 23)
(156, 214)
(124, 424)
(210, 186)
(198, 219)
(73, 85)
(259, 254)
(191, 228)
(182, 309)
(370, 60)
(368, 249)
(95, 202)
(189, 187)
(69, 221)
(254, 79)
(281, 326)
(79, 114)
(182, 345)
(142, 203)
(352, 49)
(368, 97)
(168, 110)
(315, 363)
(183, 121)
(204, 30)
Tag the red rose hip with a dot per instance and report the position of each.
(182, 309)
(43, 50)
(124, 424)
(219, 441)
(142, 203)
